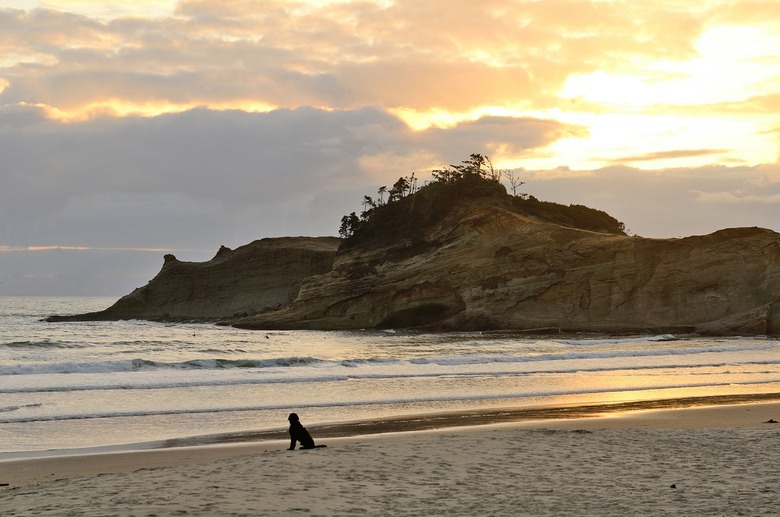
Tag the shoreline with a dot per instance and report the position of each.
(710, 412)
(697, 460)
(478, 417)
(416, 422)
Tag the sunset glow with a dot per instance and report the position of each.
(141, 105)
(662, 88)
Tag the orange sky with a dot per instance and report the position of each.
(632, 102)
(652, 83)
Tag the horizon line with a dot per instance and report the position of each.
(11, 249)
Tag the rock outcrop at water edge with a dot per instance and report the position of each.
(257, 277)
(467, 256)
(486, 267)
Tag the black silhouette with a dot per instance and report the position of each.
(298, 433)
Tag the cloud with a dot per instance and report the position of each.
(665, 155)
(669, 202)
(192, 181)
(343, 55)
(113, 8)
(203, 122)
(201, 178)
(580, 58)
(496, 135)
(736, 198)
(77, 273)
(748, 12)
(161, 181)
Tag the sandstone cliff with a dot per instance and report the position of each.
(467, 257)
(260, 276)
(487, 267)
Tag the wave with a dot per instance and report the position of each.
(133, 365)
(140, 364)
(585, 355)
(43, 344)
(221, 364)
(369, 402)
(326, 375)
(8, 409)
(620, 340)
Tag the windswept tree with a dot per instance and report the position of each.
(412, 183)
(513, 176)
(409, 211)
(446, 175)
(349, 225)
(474, 177)
(476, 165)
(401, 188)
(368, 206)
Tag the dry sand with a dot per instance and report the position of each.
(721, 460)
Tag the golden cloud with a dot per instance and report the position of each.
(665, 155)
(408, 54)
(435, 62)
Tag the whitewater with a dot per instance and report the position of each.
(85, 385)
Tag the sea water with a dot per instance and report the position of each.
(80, 385)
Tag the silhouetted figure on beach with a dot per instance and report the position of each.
(298, 433)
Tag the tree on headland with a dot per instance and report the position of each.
(514, 181)
(349, 225)
(451, 185)
(408, 210)
(368, 203)
(476, 165)
(399, 190)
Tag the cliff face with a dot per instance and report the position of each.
(487, 267)
(260, 276)
(480, 264)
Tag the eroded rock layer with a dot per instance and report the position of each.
(257, 277)
(481, 265)
(485, 267)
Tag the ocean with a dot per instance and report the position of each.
(78, 386)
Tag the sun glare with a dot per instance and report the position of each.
(656, 141)
(659, 113)
(731, 65)
(672, 105)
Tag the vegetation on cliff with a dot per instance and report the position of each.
(408, 210)
(460, 253)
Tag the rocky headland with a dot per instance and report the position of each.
(465, 255)
(258, 277)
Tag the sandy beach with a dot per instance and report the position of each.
(708, 460)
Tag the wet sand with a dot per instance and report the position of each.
(702, 456)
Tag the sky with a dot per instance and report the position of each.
(132, 129)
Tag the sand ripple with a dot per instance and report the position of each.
(496, 471)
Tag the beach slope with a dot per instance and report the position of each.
(721, 460)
